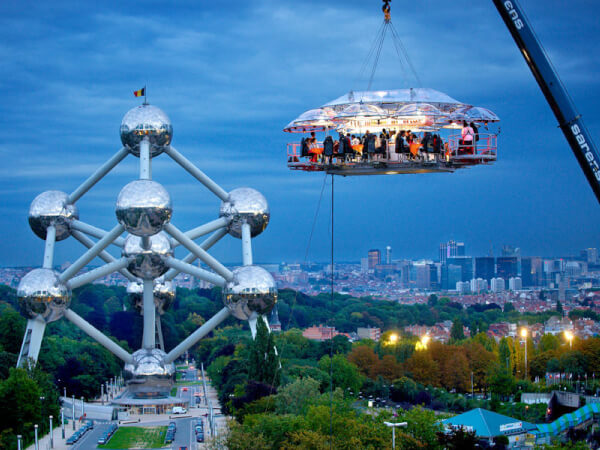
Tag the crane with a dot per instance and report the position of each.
(569, 121)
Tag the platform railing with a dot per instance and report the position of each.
(485, 147)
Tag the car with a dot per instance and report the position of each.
(200, 437)
(179, 410)
(102, 440)
(184, 389)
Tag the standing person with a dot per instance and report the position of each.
(475, 135)
(467, 135)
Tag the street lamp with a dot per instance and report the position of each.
(42, 411)
(569, 337)
(51, 432)
(393, 338)
(19, 442)
(35, 428)
(394, 425)
(524, 336)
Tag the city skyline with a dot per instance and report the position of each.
(228, 116)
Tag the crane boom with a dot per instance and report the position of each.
(569, 121)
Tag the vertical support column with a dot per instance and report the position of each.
(246, 245)
(149, 337)
(49, 248)
(145, 160)
(32, 342)
(161, 342)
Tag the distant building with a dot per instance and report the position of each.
(463, 287)
(423, 276)
(466, 266)
(364, 265)
(274, 323)
(388, 255)
(451, 274)
(369, 333)
(510, 251)
(320, 333)
(451, 249)
(515, 284)
(478, 285)
(374, 258)
(557, 325)
(485, 267)
(497, 285)
(590, 255)
(507, 267)
(527, 272)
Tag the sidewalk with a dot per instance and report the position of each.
(59, 442)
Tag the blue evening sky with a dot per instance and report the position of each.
(232, 74)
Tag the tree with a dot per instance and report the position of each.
(504, 352)
(501, 381)
(458, 438)
(364, 358)
(559, 308)
(19, 402)
(423, 425)
(387, 368)
(263, 364)
(432, 301)
(12, 328)
(345, 375)
(457, 332)
(549, 342)
(480, 361)
(295, 397)
(509, 307)
(423, 368)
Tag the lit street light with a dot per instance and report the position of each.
(51, 433)
(569, 337)
(35, 428)
(394, 425)
(393, 338)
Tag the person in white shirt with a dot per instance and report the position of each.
(467, 134)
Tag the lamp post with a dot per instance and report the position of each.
(524, 336)
(62, 421)
(73, 404)
(82, 407)
(42, 398)
(51, 432)
(19, 442)
(35, 428)
(393, 426)
(102, 393)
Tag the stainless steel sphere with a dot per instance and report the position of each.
(42, 295)
(147, 263)
(146, 121)
(246, 205)
(52, 208)
(164, 295)
(252, 291)
(148, 375)
(143, 207)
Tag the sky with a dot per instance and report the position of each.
(230, 75)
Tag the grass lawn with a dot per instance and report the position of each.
(137, 437)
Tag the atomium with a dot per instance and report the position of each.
(52, 208)
(143, 207)
(252, 292)
(148, 373)
(146, 121)
(164, 295)
(144, 210)
(147, 263)
(246, 205)
(42, 295)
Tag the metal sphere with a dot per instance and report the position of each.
(146, 121)
(252, 291)
(246, 205)
(148, 374)
(147, 263)
(42, 295)
(52, 208)
(144, 207)
(164, 295)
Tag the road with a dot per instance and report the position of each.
(90, 439)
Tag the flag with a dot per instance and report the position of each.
(140, 93)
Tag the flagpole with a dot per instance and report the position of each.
(145, 99)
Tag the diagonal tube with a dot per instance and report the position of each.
(193, 338)
(208, 243)
(91, 253)
(149, 333)
(200, 253)
(197, 173)
(94, 231)
(97, 335)
(100, 272)
(194, 271)
(97, 175)
(202, 230)
(104, 255)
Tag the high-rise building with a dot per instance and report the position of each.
(388, 255)
(507, 267)
(463, 287)
(451, 249)
(478, 285)
(527, 272)
(497, 285)
(451, 274)
(423, 276)
(509, 250)
(591, 255)
(515, 284)
(364, 265)
(485, 267)
(466, 265)
(374, 258)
